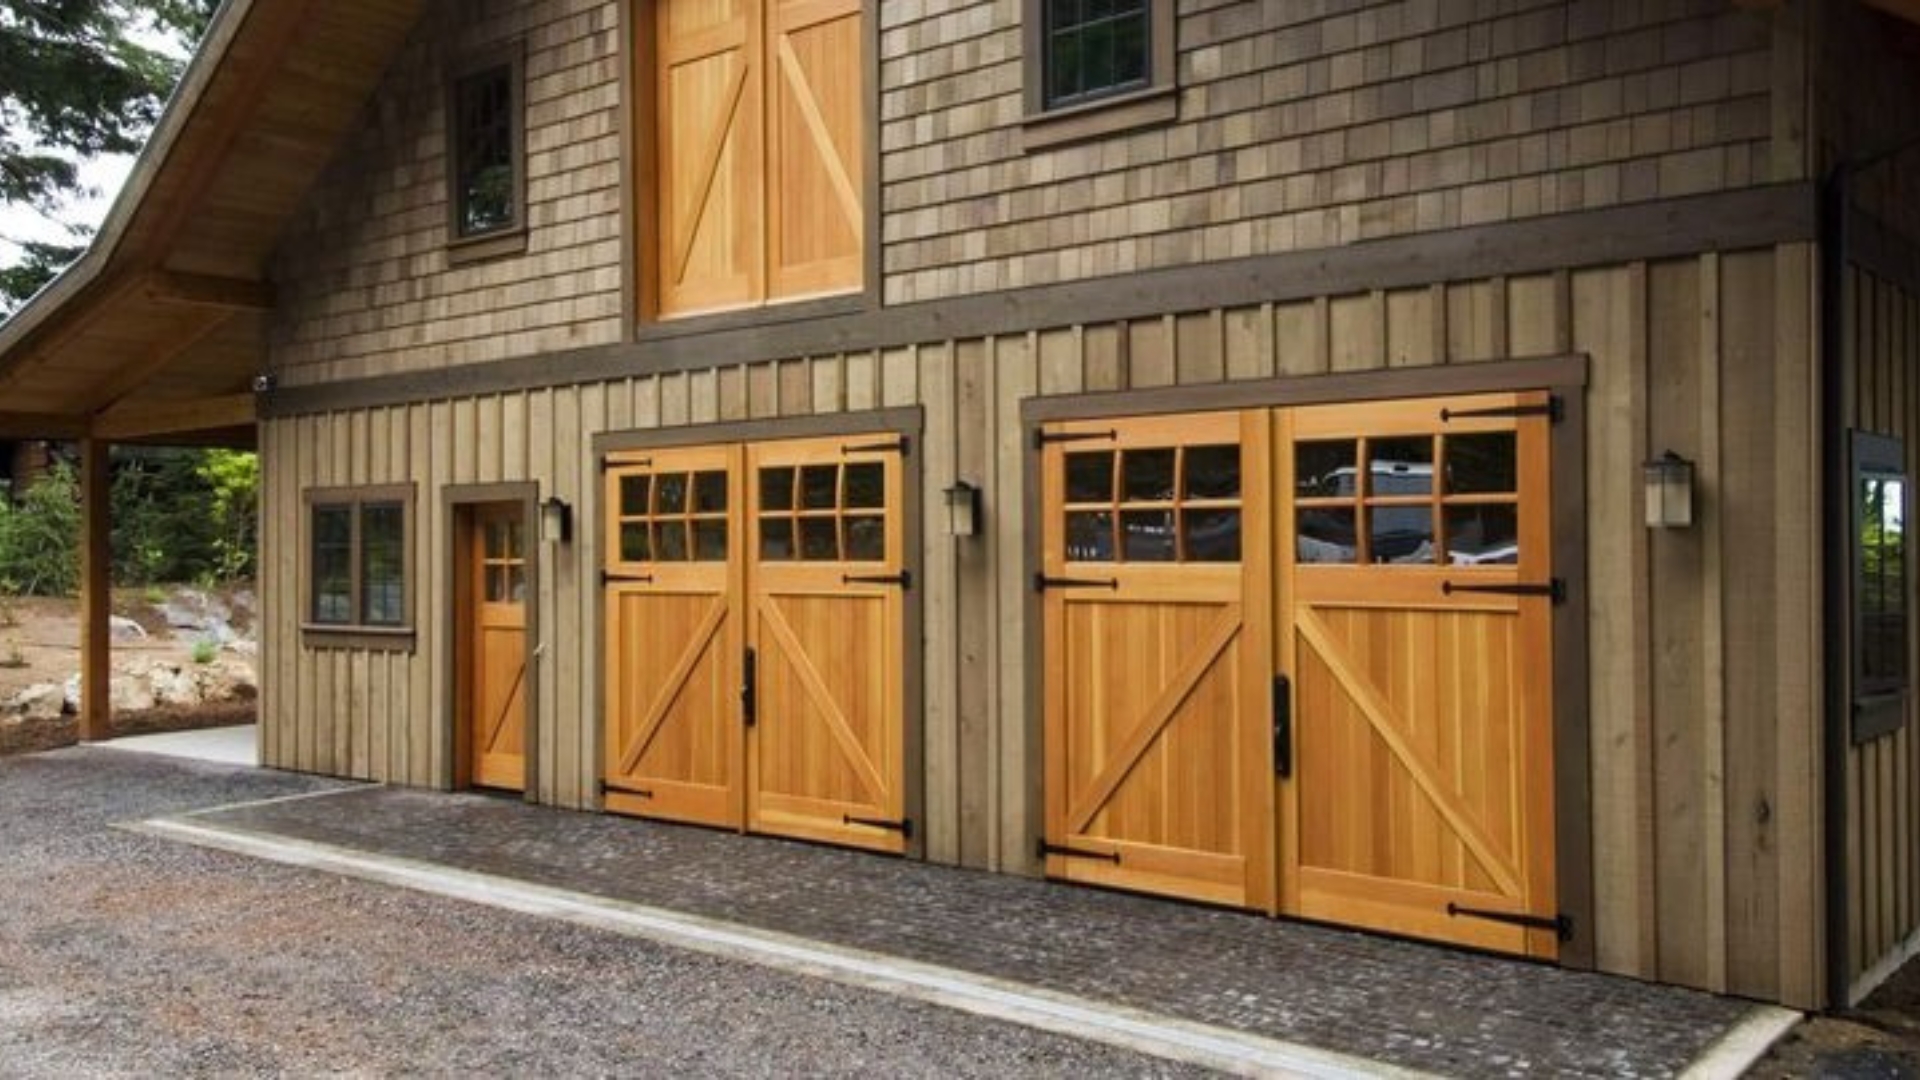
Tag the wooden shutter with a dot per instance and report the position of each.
(815, 214)
(709, 94)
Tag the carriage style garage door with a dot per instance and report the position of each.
(1300, 660)
(755, 645)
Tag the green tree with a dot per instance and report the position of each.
(76, 85)
(40, 537)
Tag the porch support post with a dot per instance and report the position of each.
(96, 598)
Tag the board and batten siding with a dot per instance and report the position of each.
(1881, 859)
(1304, 126)
(1702, 644)
(366, 282)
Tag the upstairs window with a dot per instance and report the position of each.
(1095, 49)
(758, 153)
(1097, 67)
(485, 150)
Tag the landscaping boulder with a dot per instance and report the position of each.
(124, 629)
(43, 701)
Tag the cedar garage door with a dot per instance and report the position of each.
(1300, 660)
(755, 642)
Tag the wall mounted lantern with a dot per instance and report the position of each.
(963, 509)
(556, 520)
(1669, 480)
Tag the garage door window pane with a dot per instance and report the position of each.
(1325, 470)
(633, 542)
(1212, 472)
(776, 489)
(1148, 475)
(1210, 535)
(1325, 536)
(710, 541)
(1483, 535)
(1147, 536)
(1090, 477)
(1484, 464)
(1090, 536)
(866, 486)
(1402, 534)
(866, 538)
(818, 540)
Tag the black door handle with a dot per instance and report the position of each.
(1282, 727)
(749, 697)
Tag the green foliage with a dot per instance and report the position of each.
(183, 515)
(204, 651)
(232, 479)
(76, 86)
(40, 537)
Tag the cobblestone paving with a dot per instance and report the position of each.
(1429, 1008)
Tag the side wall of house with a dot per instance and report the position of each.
(1866, 124)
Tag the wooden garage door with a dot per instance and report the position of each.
(826, 642)
(1156, 632)
(673, 742)
(1416, 629)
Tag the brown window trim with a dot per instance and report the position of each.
(511, 238)
(357, 635)
(1157, 103)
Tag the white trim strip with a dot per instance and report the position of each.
(998, 999)
(1748, 1042)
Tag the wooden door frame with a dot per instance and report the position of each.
(458, 502)
(1565, 376)
(908, 422)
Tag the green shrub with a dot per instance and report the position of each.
(40, 537)
(204, 651)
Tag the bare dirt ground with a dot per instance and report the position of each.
(1878, 1038)
(40, 643)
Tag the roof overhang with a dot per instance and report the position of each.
(157, 332)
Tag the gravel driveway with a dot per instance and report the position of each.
(125, 954)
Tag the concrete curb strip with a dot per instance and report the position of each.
(1114, 1025)
(1747, 1043)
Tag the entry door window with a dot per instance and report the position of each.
(824, 513)
(504, 562)
(673, 516)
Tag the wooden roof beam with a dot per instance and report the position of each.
(128, 380)
(160, 419)
(21, 425)
(205, 290)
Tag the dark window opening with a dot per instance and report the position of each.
(485, 149)
(357, 560)
(1880, 609)
(1096, 49)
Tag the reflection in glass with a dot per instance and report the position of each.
(776, 489)
(1483, 464)
(1090, 536)
(776, 539)
(671, 496)
(633, 495)
(1147, 475)
(817, 540)
(866, 538)
(1325, 470)
(1401, 534)
(1212, 472)
(866, 485)
(1326, 535)
(633, 542)
(1210, 535)
(332, 564)
(1146, 536)
(670, 540)
(1483, 535)
(819, 487)
(1400, 467)
(1883, 579)
(382, 562)
(709, 492)
(710, 541)
(1090, 477)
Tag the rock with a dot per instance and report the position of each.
(191, 609)
(130, 693)
(124, 629)
(174, 686)
(43, 701)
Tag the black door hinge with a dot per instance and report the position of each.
(904, 579)
(1561, 925)
(1042, 437)
(902, 446)
(623, 789)
(1044, 849)
(749, 697)
(1041, 583)
(1551, 408)
(904, 826)
(1554, 589)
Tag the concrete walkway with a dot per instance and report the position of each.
(238, 745)
(1221, 989)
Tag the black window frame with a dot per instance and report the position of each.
(358, 629)
(1879, 699)
(508, 237)
(1152, 100)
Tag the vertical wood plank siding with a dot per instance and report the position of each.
(1704, 774)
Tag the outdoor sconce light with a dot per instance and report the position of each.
(963, 509)
(1669, 492)
(556, 520)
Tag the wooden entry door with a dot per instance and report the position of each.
(1414, 566)
(1156, 631)
(494, 647)
(673, 742)
(826, 643)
